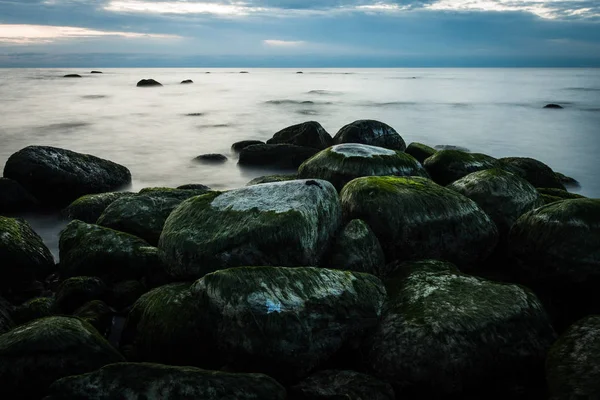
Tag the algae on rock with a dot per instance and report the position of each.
(447, 166)
(90, 207)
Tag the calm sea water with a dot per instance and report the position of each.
(156, 132)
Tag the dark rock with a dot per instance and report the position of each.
(124, 294)
(194, 186)
(445, 334)
(72, 76)
(331, 384)
(414, 218)
(567, 180)
(299, 72)
(294, 319)
(370, 132)
(6, 310)
(555, 106)
(244, 72)
(39, 307)
(552, 195)
(282, 224)
(154, 381)
(572, 366)
(14, 198)
(211, 158)
(56, 177)
(92, 250)
(447, 166)
(34, 355)
(148, 83)
(90, 207)
(271, 178)
(239, 146)
(96, 72)
(276, 155)
(98, 314)
(307, 134)
(535, 172)
(420, 151)
(343, 162)
(187, 81)
(75, 292)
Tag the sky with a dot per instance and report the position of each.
(299, 33)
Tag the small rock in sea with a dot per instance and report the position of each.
(148, 83)
(187, 81)
(299, 72)
(554, 106)
(207, 72)
(196, 114)
(96, 72)
(72, 76)
(244, 72)
(194, 186)
(211, 158)
(239, 146)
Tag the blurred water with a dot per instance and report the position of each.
(493, 111)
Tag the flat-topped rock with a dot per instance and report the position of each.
(148, 83)
(308, 134)
(370, 132)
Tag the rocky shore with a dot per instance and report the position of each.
(378, 270)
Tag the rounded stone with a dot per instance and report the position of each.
(420, 151)
(447, 166)
(75, 292)
(148, 83)
(285, 156)
(535, 172)
(308, 134)
(370, 132)
(90, 207)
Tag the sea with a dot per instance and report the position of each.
(157, 132)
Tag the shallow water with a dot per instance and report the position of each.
(156, 132)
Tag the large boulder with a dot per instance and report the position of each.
(14, 198)
(36, 308)
(23, 256)
(145, 214)
(6, 320)
(286, 321)
(281, 224)
(286, 156)
(124, 294)
(272, 178)
(239, 146)
(155, 381)
(74, 292)
(90, 207)
(414, 218)
(552, 195)
(502, 195)
(148, 83)
(333, 384)
(34, 355)
(535, 172)
(56, 177)
(113, 256)
(447, 166)
(342, 163)
(307, 134)
(370, 132)
(420, 151)
(573, 365)
(98, 314)
(445, 334)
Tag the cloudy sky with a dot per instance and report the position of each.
(299, 33)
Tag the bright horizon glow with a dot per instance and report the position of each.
(174, 7)
(283, 43)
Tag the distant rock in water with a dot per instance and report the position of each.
(197, 114)
(554, 106)
(211, 158)
(244, 72)
(96, 72)
(72, 76)
(239, 146)
(299, 72)
(187, 81)
(148, 83)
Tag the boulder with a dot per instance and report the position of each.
(72, 76)
(343, 162)
(293, 319)
(334, 384)
(239, 146)
(24, 257)
(370, 132)
(307, 134)
(14, 198)
(124, 294)
(36, 308)
(166, 382)
(113, 256)
(187, 81)
(414, 218)
(194, 186)
(282, 224)
(447, 166)
(98, 314)
(420, 151)
(445, 334)
(356, 248)
(34, 355)
(148, 83)
(6, 310)
(57, 177)
(286, 156)
(439, 147)
(145, 214)
(572, 367)
(567, 180)
(96, 72)
(272, 178)
(502, 195)
(90, 207)
(535, 172)
(552, 195)
(75, 292)
(554, 106)
(211, 159)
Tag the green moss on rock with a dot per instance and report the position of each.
(74, 292)
(271, 178)
(89, 208)
(447, 166)
(535, 172)
(98, 314)
(36, 308)
(420, 151)
(332, 384)
(308, 134)
(370, 132)
(552, 195)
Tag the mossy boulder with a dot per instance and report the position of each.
(414, 218)
(155, 381)
(145, 214)
(502, 195)
(535, 172)
(308, 134)
(573, 365)
(286, 321)
(75, 292)
(342, 163)
(567, 180)
(283, 224)
(272, 178)
(113, 256)
(124, 294)
(335, 384)
(239, 146)
(89, 208)
(23, 256)
(36, 308)
(194, 186)
(420, 151)
(552, 195)
(98, 314)
(285, 156)
(356, 248)
(57, 177)
(445, 334)
(370, 132)
(447, 166)
(6, 310)
(14, 198)
(34, 355)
